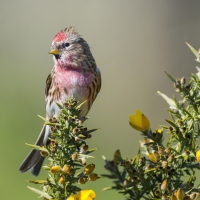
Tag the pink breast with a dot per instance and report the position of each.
(70, 79)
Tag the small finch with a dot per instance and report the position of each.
(74, 74)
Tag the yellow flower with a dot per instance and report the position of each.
(159, 130)
(139, 121)
(86, 195)
(55, 169)
(72, 197)
(89, 169)
(180, 194)
(198, 155)
(83, 195)
(164, 185)
(153, 157)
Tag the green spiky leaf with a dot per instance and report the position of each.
(193, 50)
(41, 193)
(171, 77)
(37, 147)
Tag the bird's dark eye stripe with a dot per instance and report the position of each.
(66, 44)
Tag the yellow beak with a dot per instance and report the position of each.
(54, 52)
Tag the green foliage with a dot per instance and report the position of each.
(67, 152)
(157, 172)
(165, 172)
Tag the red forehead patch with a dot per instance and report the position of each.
(60, 37)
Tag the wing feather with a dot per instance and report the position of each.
(48, 84)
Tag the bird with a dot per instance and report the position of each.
(74, 73)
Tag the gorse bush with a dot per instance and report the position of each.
(159, 171)
(67, 152)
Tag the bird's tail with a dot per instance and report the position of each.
(34, 159)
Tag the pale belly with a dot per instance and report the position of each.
(80, 94)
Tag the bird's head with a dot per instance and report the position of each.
(69, 49)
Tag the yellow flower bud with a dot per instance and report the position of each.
(61, 180)
(183, 80)
(167, 150)
(180, 194)
(160, 150)
(125, 183)
(159, 131)
(193, 196)
(154, 157)
(117, 156)
(164, 185)
(197, 194)
(77, 139)
(55, 169)
(198, 155)
(164, 197)
(66, 169)
(74, 156)
(72, 197)
(83, 161)
(164, 164)
(84, 149)
(82, 180)
(148, 167)
(89, 169)
(171, 158)
(75, 131)
(93, 177)
(71, 171)
(173, 197)
(147, 140)
(139, 121)
(44, 153)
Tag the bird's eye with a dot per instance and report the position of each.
(66, 44)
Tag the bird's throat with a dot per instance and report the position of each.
(72, 77)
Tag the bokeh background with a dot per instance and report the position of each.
(133, 42)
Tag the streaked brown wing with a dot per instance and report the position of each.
(99, 80)
(48, 84)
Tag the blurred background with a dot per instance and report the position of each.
(133, 42)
